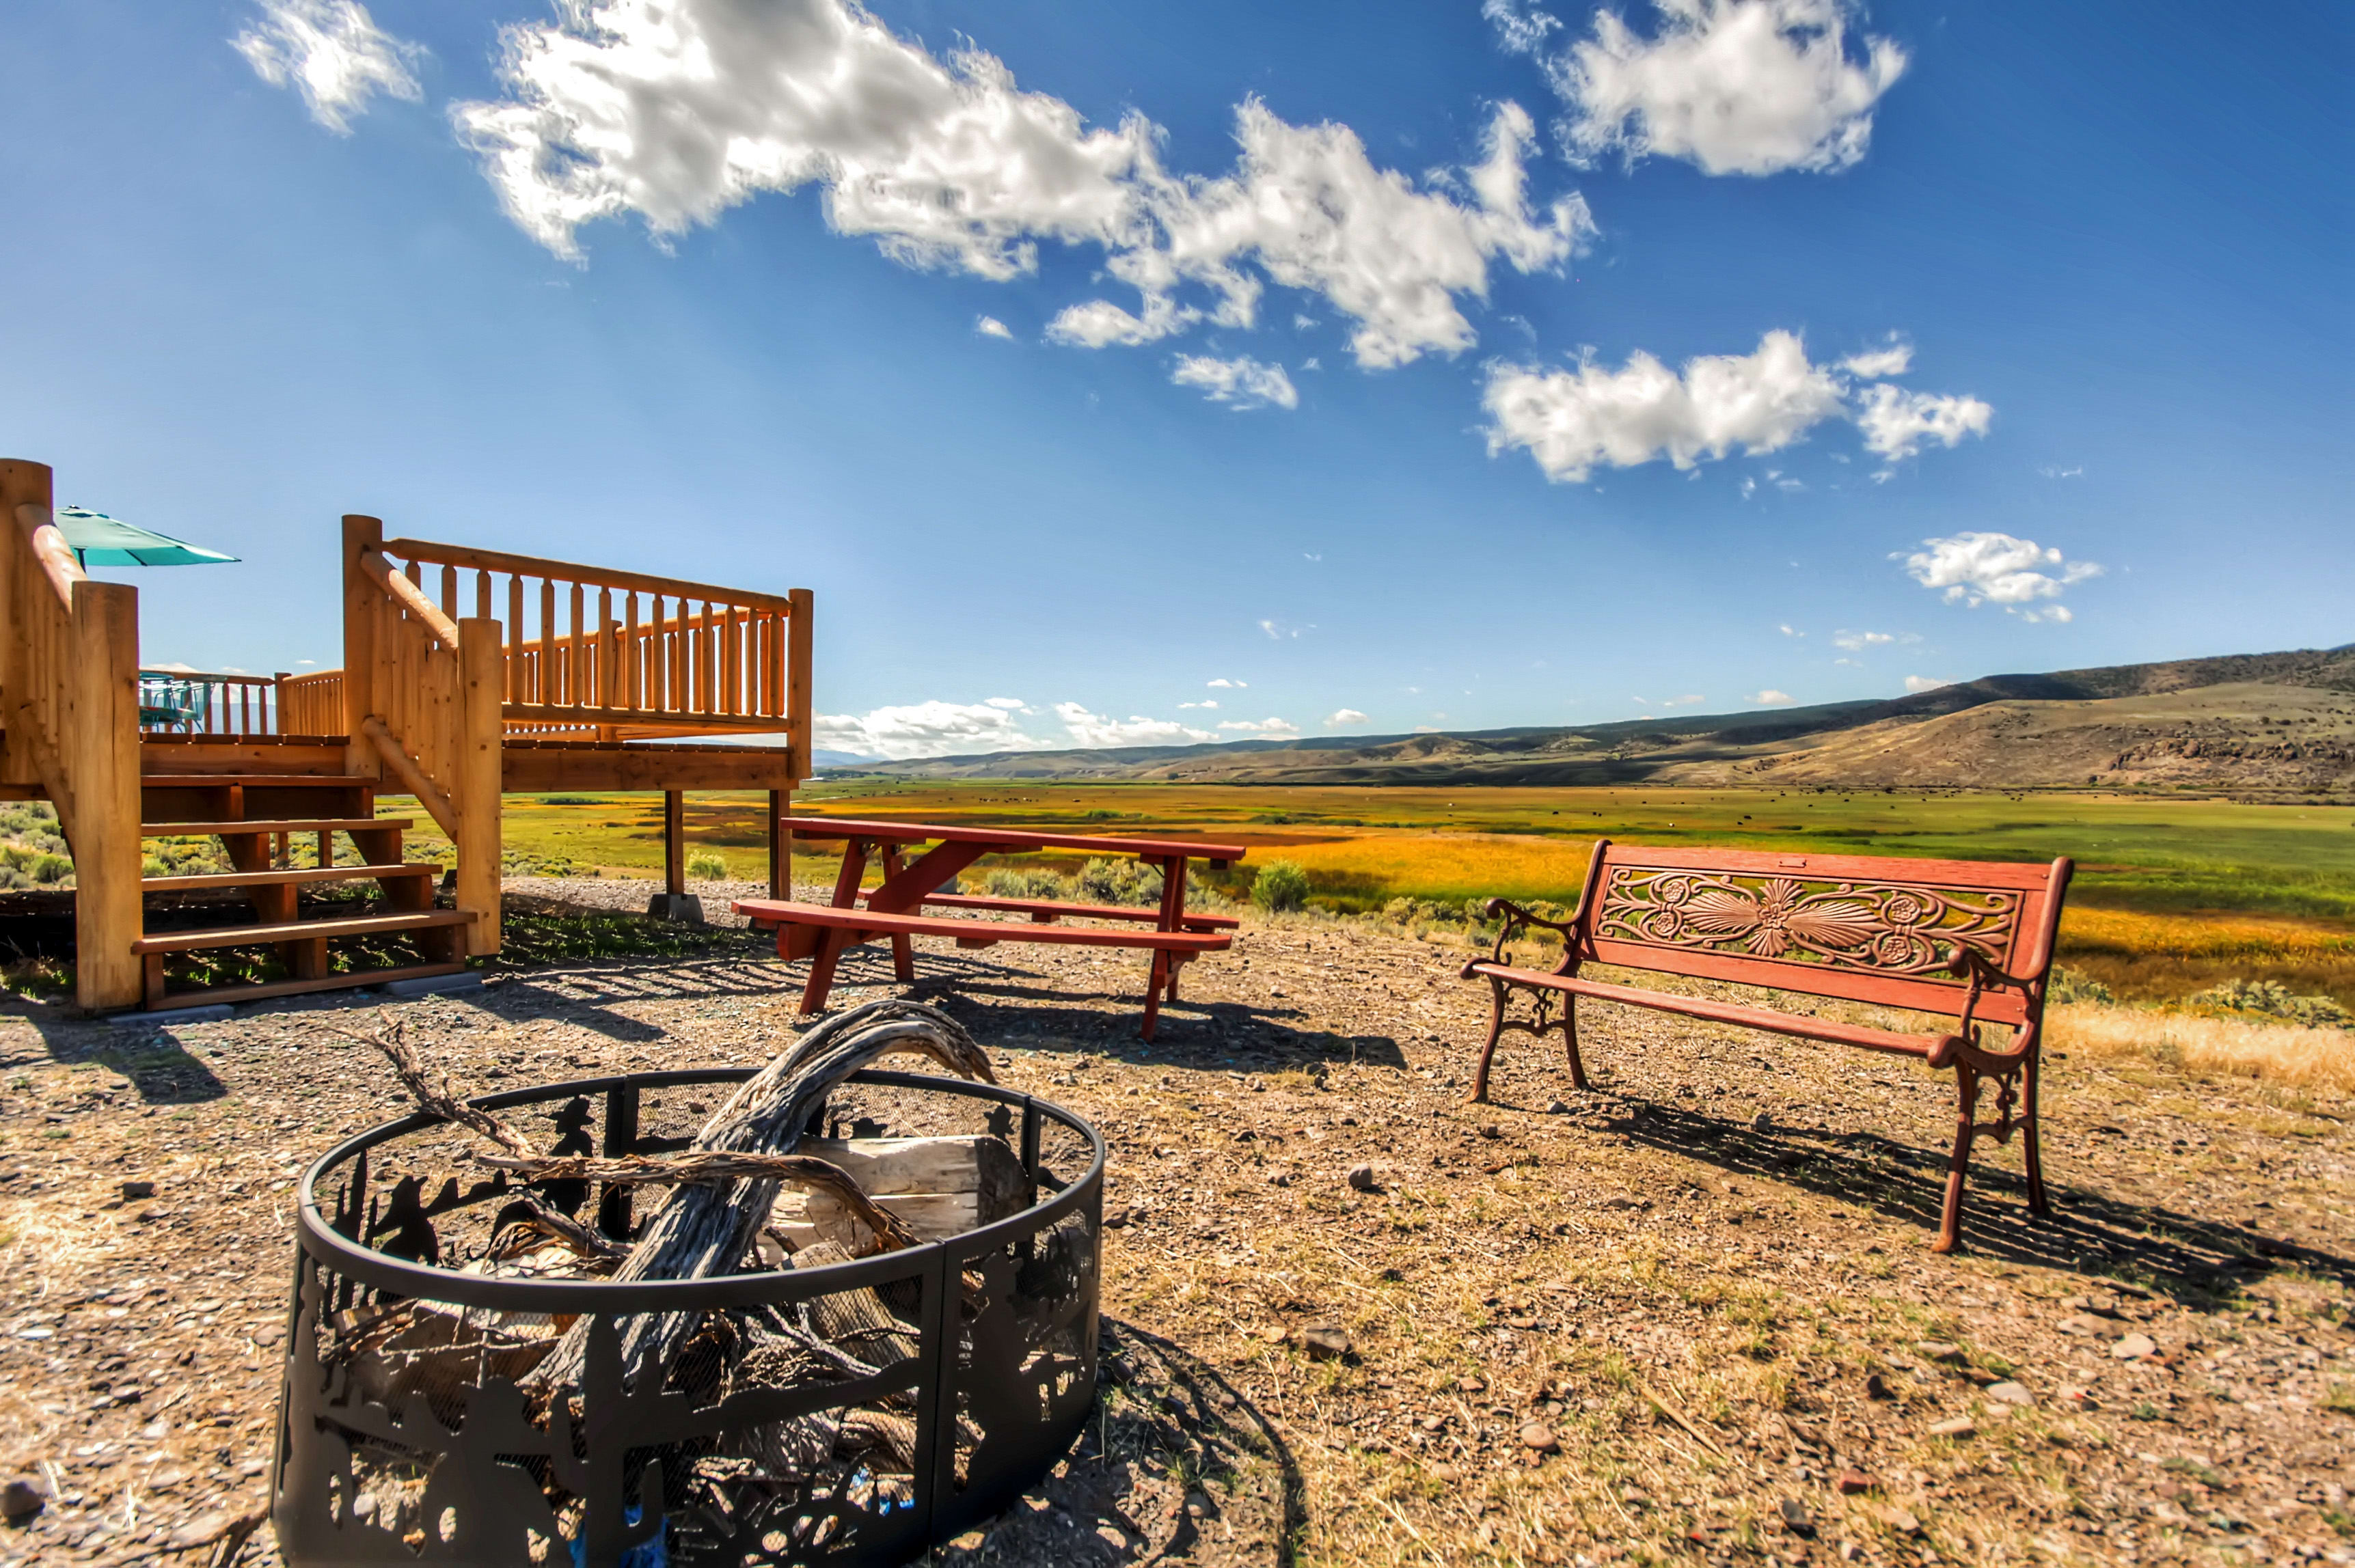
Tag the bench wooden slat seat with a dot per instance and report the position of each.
(1969, 941)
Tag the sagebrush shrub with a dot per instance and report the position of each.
(2275, 1001)
(2067, 985)
(1280, 885)
(707, 865)
(1120, 882)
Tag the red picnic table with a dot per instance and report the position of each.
(821, 932)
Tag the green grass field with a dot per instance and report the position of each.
(2170, 896)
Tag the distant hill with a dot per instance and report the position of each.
(2260, 724)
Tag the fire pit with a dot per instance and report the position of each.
(815, 1411)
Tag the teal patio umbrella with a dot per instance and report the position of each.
(98, 540)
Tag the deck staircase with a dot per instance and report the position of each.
(268, 822)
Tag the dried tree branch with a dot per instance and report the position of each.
(802, 1171)
(434, 1097)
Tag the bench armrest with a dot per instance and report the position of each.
(1518, 920)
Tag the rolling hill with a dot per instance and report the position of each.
(2271, 725)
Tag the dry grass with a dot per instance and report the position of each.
(2153, 957)
(2281, 1053)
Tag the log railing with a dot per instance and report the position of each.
(421, 705)
(620, 655)
(69, 724)
(311, 705)
(203, 702)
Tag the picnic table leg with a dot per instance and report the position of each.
(1153, 993)
(903, 947)
(821, 971)
(1950, 1221)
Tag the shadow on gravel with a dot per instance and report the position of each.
(161, 1070)
(1176, 1464)
(2199, 1261)
(1217, 1036)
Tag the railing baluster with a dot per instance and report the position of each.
(450, 591)
(515, 638)
(576, 685)
(544, 692)
(605, 659)
(632, 692)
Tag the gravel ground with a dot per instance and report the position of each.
(1690, 1317)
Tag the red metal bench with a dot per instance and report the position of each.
(822, 933)
(1968, 940)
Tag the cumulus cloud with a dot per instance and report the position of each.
(333, 53)
(1271, 728)
(927, 730)
(1977, 568)
(1787, 630)
(990, 326)
(1342, 718)
(678, 109)
(1736, 86)
(1916, 685)
(1771, 698)
(1242, 382)
(1092, 729)
(1895, 359)
(1856, 641)
(1572, 421)
(1223, 685)
(1896, 422)
(1205, 702)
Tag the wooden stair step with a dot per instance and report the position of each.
(205, 995)
(299, 931)
(268, 780)
(299, 825)
(385, 873)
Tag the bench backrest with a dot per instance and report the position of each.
(1857, 927)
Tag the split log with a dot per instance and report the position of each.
(931, 1187)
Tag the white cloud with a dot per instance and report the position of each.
(1520, 26)
(1341, 718)
(1771, 698)
(2053, 471)
(1272, 728)
(990, 326)
(1223, 685)
(678, 109)
(1856, 641)
(927, 730)
(1572, 420)
(1917, 685)
(333, 53)
(1205, 702)
(1281, 631)
(1896, 422)
(1737, 86)
(1687, 702)
(1090, 729)
(1874, 363)
(1243, 382)
(1979, 568)
(1789, 631)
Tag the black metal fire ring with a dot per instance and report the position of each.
(386, 1454)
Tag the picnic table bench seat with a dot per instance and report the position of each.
(1969, 941)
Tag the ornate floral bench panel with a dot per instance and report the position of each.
(1856, 928)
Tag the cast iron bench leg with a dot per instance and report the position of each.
(1967, 1093)
(2034, 1129)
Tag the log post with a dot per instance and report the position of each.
(100, 747)
(797, 683)
(674, 841)
(781, 844)
(361, 601)
(482, 686)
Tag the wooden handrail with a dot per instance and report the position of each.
(469, 558)
(49, 546)
(430, 795)
(410, 597)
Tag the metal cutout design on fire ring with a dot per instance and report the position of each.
(431, 1450)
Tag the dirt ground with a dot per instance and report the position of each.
(1690, 1316)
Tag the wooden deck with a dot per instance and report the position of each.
(562, 677)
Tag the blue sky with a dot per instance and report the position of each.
(1412, 367)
